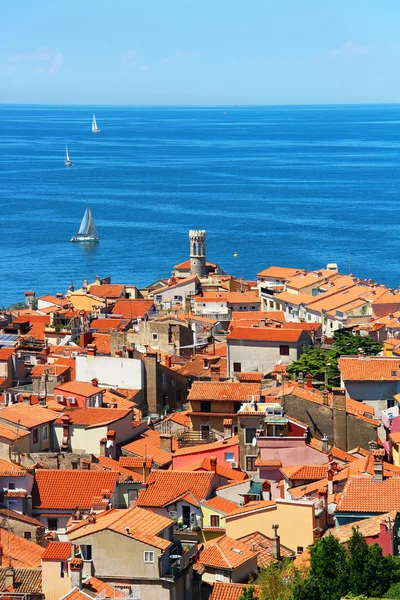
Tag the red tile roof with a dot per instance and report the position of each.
(362, 494)
(137, 523)
(57, 551)
(181, 418)
(224, 391)
(113, 290)
(228, 591)
(148, 445)
(66, 490)
(80, 388)
(164, 486)
(305, 472)
(204, 464)
(369, 368)
(265, 334)
(132, 309)
(27, 415)
(6, 353)
(102, 589)
(252, 506)
(228, 443)
(263, 546)
(278, 272)
(10, 433)
(23, 553)
(249, 376)
(105, 463)
(93, 417)
(220, 505)
(135, 463)
(225, 553)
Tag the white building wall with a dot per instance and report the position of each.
(111, 372)
(259, 356)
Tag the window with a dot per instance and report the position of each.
(237, 367)
(299, 549)
(74, 465)
(45, 433)
(86, 550)
(11, 485)
(330, 324)
(178, 396)
(155, 337)
(219, 576)
(229, 456)
(284, 350)
(164, 379)
(35, 436)
(158, 298)
(214, 520)
(235, 429)
(52, 524)
(132, 496)
(250, 433)
(205, 406)
(148, 557)
(27, 535)
(204, 432)
(253, 308)
(251, 463)
(390, 403)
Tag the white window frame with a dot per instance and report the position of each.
(229, 459)
(151, 557)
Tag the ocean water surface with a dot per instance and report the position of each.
(295, 186)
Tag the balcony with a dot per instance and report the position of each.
(180, 558)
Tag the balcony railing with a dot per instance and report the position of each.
(178, 565)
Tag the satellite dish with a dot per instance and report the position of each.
(254, 442)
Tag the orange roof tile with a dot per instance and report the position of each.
(27, 415)
(132, 309)
(102, 589)
(23, 553)
(249, 376)
(265, 334)
(220, 505)
(135, 463)
(93, 417)
(362, 494)
(108, 325)
(66, 490)
(369, 527)
(305, 472)
(165, 486)
(229, 591)
(51, 369)
(197, 367)
(204, 464)
(80, 388)
(105, 463)
(252, 506)
(6, 353)
(243, 298)
(181, 418)
(369, 368)
(57, 551)
(76, 594)
(113, 290)
(262, 545)
(185, 266)
(10, 433)
(135, 522)
(222, 390)
(148, 445)
(228, 443)
(225, 553)
(279, 272)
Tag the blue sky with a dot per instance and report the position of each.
(199, 51)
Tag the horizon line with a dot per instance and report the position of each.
(171, 105)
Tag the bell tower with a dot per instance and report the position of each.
(197, 239)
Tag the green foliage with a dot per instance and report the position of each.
(249, 593)
(278, 580)
(317, 361)
(361, 571)
(17, 306)
(393, 592)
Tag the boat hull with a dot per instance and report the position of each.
(95, 130)
(68, 163)
(84, 239)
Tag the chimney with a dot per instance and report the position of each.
(227, 428)
(309, 381)
(1, 553)
(377, 456)
(85, 339)
(91, 349)
(325, 443)
(168, 361)
(325, 396)
(10, 577)
(95, 382)
(166, 442)
(213, 463)
(103, 445)
(276, 543)
(76, 566)
(330, 481)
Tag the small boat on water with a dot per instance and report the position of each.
(87, 231)
(95, 129)
(67, 161)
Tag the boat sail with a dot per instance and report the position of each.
(87, 231)
(95, 129)
(67, 161)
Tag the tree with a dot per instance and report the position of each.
(347, 342)
(277, 580)
(248, 593)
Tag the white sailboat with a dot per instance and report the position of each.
(87, 231)
(67, 161)
(95, 129)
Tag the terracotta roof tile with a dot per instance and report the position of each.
(27, 581)
(132, 309)
(279, 272)
(23, 553)
(57, 551)
(164, 486)
(179, 417)
(252, 506)
(362, 494)
(204, 464)
(369, 368)
(148, 446)
(225, 553)
(105, 463)
(263, 546)
(224, 391)
(81, 388)
(93, 417)
(66, 490)
(230, 591)
(27, 415)
(265, 334)
(11, 433)
(113, 290)
(369, 527)
(134, 462)
(135, 522)
(213, 446)
(250, 376)
(102, 589)
(76, 594)
(220, 504)
(305, 472)
(6, 353)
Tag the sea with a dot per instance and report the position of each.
(297, 186)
